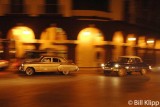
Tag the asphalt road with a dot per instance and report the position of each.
(83, 89)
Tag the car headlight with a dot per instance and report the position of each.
(116, 65)
(150, 67)
(102, 65)
(127, 67)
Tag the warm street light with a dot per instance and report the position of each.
(150, 41)
(131, 39)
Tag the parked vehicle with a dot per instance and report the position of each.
(126, 65)
(48, 64)
(4, 64)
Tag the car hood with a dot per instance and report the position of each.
(122, 64)
(113, 63)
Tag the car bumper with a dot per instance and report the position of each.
(4, 65)
(21, 68)
(110, 68)
(74, 69)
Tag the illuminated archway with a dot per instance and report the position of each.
(142, 41)
(51, 35)
(142, 44)
(118, 40)
(20, 35)
(157, 44)
(131, 41)
(87, 54)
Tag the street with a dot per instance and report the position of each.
(80, 89)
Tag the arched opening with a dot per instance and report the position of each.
(131, 42)
(49, 37)
(142, 41)
(118, 40)
(142, 45)
(21, 38)
(88, 53)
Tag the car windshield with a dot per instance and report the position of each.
(63, 60)
(123, 60)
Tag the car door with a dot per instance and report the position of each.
(55, 63)
(137, 64)
(133, 64)
(46, 64)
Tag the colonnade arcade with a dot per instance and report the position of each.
(89, 50)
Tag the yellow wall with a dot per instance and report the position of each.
(86, 51)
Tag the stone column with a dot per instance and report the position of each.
(71, 51)
(6, 49)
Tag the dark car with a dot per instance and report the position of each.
(126, 65)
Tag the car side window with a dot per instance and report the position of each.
(131, 60)
(137, 60)
(56, 60)
(46, 60)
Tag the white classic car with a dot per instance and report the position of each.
(48, 64)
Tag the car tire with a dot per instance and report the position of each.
(30, 71)
(65, 72)
(143, 71)
(122, 72)
(107, 72)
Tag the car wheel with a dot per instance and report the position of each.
(30, 71)
(65, 72)
(143, 71)
(121, 72)
(107, 72)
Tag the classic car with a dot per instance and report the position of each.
(48, 64)
(126, 65)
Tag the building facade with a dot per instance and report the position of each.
(88, 32)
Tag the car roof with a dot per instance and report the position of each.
(44, 55)
(130, 57)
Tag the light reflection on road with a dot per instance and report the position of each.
(77, 90)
